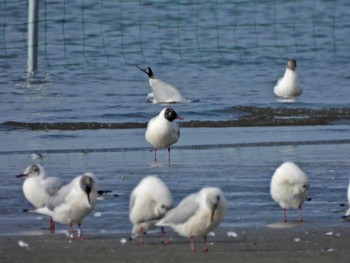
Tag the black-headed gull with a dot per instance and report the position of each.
(162, 130)
(72, 203)
(197, 214)
(288, 86)
(149, 201)
(38, 188)
(289, 188)
(162, 92)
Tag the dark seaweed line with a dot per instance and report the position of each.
(246, 122)
(185, 147)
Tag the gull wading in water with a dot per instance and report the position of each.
(289, 188)
(162, 130)
(288, 86)
(149, 201)
(197, 214)
(38, 188)
(162, 92)
(72, 203)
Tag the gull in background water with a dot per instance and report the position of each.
(38, 188)
(289, 188)
(197, 214)
(162, 130)
(149, 201)
(162, 92)
(72, 203)
(288, 86)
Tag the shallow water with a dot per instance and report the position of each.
(241, 168)
(86, 108)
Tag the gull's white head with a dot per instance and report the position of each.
(33, 171)
(88, 185)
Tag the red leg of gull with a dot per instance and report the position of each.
(166, 240)
(71, 230)
(300, 215)
(141, 236)
(52, 225)
(206, 248)
(284, 215)
(192, 244)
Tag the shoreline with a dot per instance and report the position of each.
(302, 243)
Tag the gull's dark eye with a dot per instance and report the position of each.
(35, 169)
(170, 114)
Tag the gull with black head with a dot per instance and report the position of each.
(162, 92)
(162, 130)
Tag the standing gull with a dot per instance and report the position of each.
(197, 214)
(162, 92)
(149, 201)
(288, 86)
(289, 188)
(73, 202)
(38, 188)
(162, 130)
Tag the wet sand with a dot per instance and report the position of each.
(294, 244)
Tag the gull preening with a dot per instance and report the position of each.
(149, 201)
(162, 92)
(162, 130)
(72, 203)
(289, 188)
(197, 214)
(38, 189)
(288, 86)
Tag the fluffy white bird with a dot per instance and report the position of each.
(162, 92)
(149, 201)
(73, 202)
(289, 187)
(162, 130)
(38, 188)
(288, 86)
(197, 214)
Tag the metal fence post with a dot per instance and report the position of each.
(33, 24)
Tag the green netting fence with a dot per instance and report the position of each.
(120, 31)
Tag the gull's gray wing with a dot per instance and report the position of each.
(184, 211)
(60, 196)
(52, 185)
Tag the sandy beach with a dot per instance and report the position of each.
(294, 244)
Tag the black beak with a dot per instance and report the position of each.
(21, 175)
(213, 212)
(88, 191)
(143, 70)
